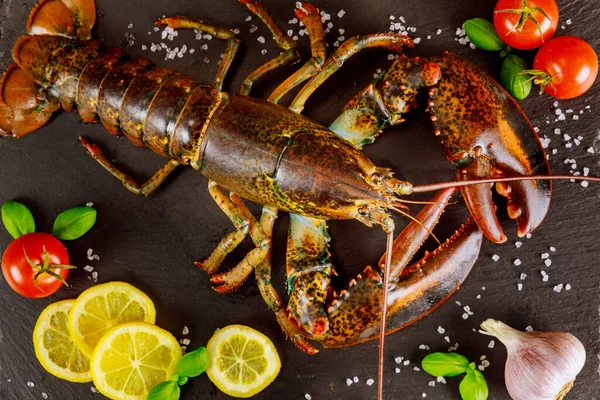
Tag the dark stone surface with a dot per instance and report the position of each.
(150, 242)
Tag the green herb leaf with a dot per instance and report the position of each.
(483, 35)
(513, 79)
(473, 386)
(445, 364)
(74, 223)
(17, 219)
(194, 363)
(168, 390)
(182, 380)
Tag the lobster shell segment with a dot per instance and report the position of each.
(486, 134)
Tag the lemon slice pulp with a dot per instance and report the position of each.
(132, 358)
(243, 361)
(102, 307)
(54, 347)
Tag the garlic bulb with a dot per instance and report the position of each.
(540, 365)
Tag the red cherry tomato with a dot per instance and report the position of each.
(571, 65)
(518, 29)
(40, 248)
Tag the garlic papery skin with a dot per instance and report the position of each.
(539, 365)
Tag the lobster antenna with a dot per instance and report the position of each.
(419, 222)
(456, 184)
(386, 278)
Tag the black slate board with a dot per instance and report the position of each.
(150, 242)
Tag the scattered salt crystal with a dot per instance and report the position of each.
(206, 60)
(204, 47)
(263, 51)
(341, 38)
(406, 362)
(96, 257)
(485, 363)
(591, 150)
(566, 137)
(584, 184)
(392, 18)
(429, 37)
(523, 276)
(156, 29)
(517, 262)
(575, 117)
(518, 244)
(480, 367)
(44, 395)
(94, 390)
(568, 286)
(465, 316)
(192, 51)
(253, 29)
(89, 204)
(144, 47)
(528, 328)
(495, 257)
(439, 31)
(562, 117)
(423, 395)
(341, 13)
(478, 296)
(519, 286)
(440, 330)
(417, 369)
(95, 276)
(370, 382)
(307, 396)
(130, 26)
(568, 22)
(398, 360)
(441, 379)
(529, 235)
(88, 268)
(89, 252)
(397, 370)
(432, 383)
(558, 288)
(545, 256)
(355, 379)
(30, 384)
(185, 330)
(348, 381)
(586, 171)
(417, 40)
(545, 278)
(261, 39)
(492, 344)
(548, 262)
(249, 18)
(423, 347)
(557, 131)
(552, 248)
(458, 303)
(185, 341)
(447, 339)
(390, 57)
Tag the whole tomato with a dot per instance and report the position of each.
(525, 24)
(565, 67)
(35, 265)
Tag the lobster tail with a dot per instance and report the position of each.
(24, 105)
(48, 63)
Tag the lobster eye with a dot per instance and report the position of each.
(363, 210)
(376, 178)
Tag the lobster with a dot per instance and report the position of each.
(263, 152)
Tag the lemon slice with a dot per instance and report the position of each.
(132, 358)
(103, 307)
(243, 361)
(54, 347)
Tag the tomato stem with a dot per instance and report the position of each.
(540, 78)
(526, 14)
(46, 268)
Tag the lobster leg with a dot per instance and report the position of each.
(233, 43)
(311, 18)
(127, 181)
(244, 224)
(286, 43)
(389, 41)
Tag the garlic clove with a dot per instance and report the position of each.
(539, 365)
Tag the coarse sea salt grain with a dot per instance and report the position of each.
(348, 381)
(519, 286)
(370, 382)
(548, 262)
(355, 379)
(518, 244)
(94, 390)
(341, 13)
(406, 362)
(517, 262)
(185, 330)
(397, 370)
(495, 257)
(529, 328)
(398, 360)
(491, 344)
(417, 369)
(568, 286)
(440, 330)
(447, 339)
(441, 379)
(558, 288)
(523, 276)
(30, 384)
(44, 395)
(432, 383)
(307, 396)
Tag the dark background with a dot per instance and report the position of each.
(151, 242)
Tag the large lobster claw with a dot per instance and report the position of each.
(486, 134)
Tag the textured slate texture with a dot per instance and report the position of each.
(151, 242)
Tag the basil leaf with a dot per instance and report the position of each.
(164, 391)
(445, 364)
(74, 223)
(513, 79)
(194, 363)
(17, 219)
(182, 380)
(483, 35)
(473, 386)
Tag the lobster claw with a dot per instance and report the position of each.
(486, 134)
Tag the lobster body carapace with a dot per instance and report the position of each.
(276, 157)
